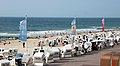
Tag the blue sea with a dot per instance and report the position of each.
(11, 24)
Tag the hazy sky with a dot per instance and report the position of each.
(60, 8)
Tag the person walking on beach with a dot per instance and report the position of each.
(39, 44)
(23, 44)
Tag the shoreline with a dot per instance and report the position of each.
(34, 34)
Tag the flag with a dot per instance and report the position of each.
(73, 22)
(73, 28)
(103, 25)
(23, 30)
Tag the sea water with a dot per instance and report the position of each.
(41, 25)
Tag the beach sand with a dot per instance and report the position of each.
(93, 59)
(19, 45)
(30, 44)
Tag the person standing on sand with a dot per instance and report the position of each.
(23, 44)
(39, 44)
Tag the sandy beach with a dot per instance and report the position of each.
(91, 59)
(30, 44)
(19, 45)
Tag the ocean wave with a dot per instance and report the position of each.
(49, 32)
(8, 34)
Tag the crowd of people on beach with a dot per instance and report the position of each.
(63, 45)
(79, 44)
(72, 39)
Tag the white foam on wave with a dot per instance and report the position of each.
(8, 34)
(85, 30)
(49, 32)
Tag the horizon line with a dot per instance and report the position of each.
(58, 17)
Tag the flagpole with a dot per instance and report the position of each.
(26, 33)
(103, 28)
